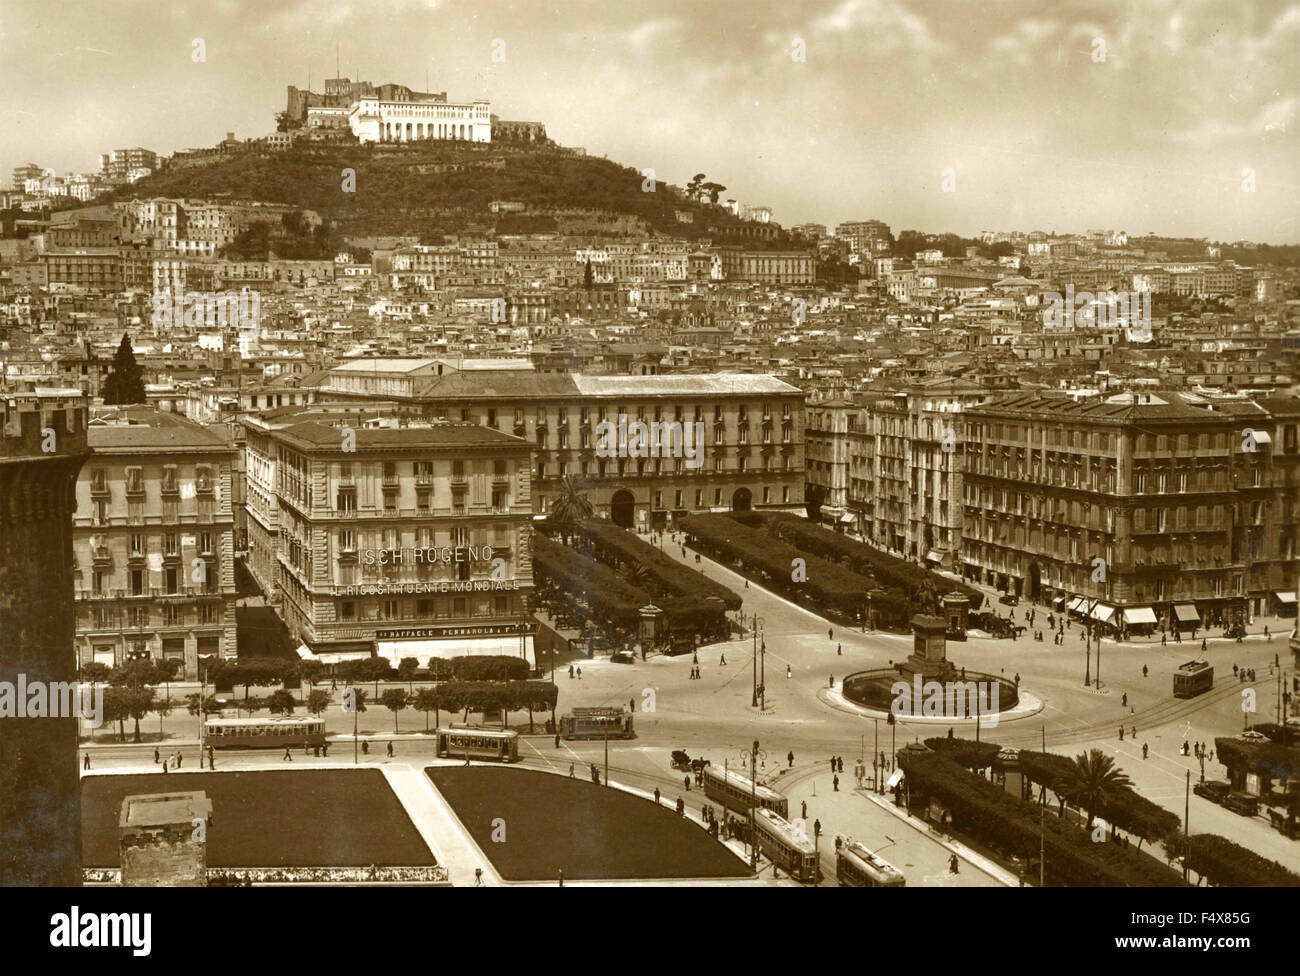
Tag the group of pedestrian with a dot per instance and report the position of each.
(695, 672)
(571, 671)
(175, 757)
(1245, 674)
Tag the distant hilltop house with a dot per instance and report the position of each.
(395, 113)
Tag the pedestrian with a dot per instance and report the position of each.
(164, 769)
(1017, 679)
(1164, 638)
(835, 783)
(156, 756)
(287, 755)
(178, 759)
(365, 747)
(789, 757)
(1121, 733)
(571, 776)
(832, 764)
(334, 684)
(803, 809)
(579, 674)
(85, 760)
(1124, 700)
(722, 661)
(1202, 643)
(953, 864)
(787, 670)
(839, 650)
(1134, 732)
(1144, 670)
(570, 670)
(817, 828)
(631, 704)
(687, 781)
(390, 747)
(830, 633)
(1144, 750)
(832, 684)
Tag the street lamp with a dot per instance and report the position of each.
(757, 625)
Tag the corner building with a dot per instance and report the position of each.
(401, 541)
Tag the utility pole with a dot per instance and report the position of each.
(753, 805)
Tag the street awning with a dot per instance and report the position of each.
(1139, 615)
(1078, 604)
(305, 653)
(1103, 613)
(1287, 596)
(847, 517)
(339, 656)
(1186, 612)
(895, 778)
(1262, 437)
(426, 650)
(1058, 603)
(934, 556)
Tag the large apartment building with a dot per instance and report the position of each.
(153, 541)
(1139, 508)
(751, 455)
(406, 540)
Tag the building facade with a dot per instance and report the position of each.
(378, 120)
(153, 542)
(405, 541)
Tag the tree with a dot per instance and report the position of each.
(95, 672)
(571, 507)
(210, 705)
(309, 671)
(693, 187)
(427, 700)
(1097, 781)
(125, 384)
(138, 702)
(317, 701)
(394, 699)
(251, 705)
(280, 702)
(167, 670)
(712, 189)
(374, 669)
(163, 706)
(406, 669)
(116, 710)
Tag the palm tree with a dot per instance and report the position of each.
(571, 507)
(1097, 781)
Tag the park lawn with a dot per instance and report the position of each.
(554, 823)
(270, 818)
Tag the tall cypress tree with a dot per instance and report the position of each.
(125, 384)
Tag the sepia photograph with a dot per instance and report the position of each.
(424, 419)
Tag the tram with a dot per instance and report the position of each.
(263, 733)
(857, 867)
(1193, 678)
(787, 845)
(475, 743)
(737, 792)
(597, 723)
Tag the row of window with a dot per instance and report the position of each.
(135, 480)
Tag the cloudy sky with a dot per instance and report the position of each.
(1141, 115)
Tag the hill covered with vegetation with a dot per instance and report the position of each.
(431, 190)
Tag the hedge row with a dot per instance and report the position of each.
(589, 579)
(888, 571)
(627, 548)
(1221, 862)
(827, 585)
(991, 814)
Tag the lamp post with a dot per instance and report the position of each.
(757, 623)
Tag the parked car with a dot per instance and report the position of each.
(1008, 600)
(1285, 821)
(1212, 790)
(622, 657)
(1242, 803)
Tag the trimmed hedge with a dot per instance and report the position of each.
(602, 588)
(828, 585)
(990, 814)
(1221, 862)
(613, 542)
